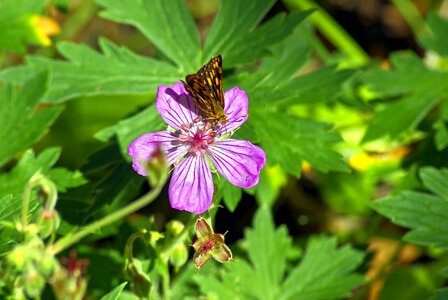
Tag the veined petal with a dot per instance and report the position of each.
(175, 105)
(143, 148)
(238, 161)
(236, 109)
(191, 186)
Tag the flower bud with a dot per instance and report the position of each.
(179, 255)
(156, 167)
(34, 283)
(140, 281)
(48, 222)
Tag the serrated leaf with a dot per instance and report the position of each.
(287, 57)
(16, 29)
(435, 180)
(235, 19)
(115, 293)
(420, 90)
(272, 179)
(266, 248)
(14, 181)
(303, 140)
(255, 44)
(88, 73)
(425, 214)
(22, 121)
(325, 272)
(167, 24)
(64, 178)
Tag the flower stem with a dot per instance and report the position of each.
(69, 240)
(333, 32)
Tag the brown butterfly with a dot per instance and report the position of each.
(205, 87)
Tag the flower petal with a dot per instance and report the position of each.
(238, 161)
(236, 109)
(191, 186)
(175, 105)
(142, 149)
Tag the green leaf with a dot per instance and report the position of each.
(129, 129)
(325, 272)
(425, 214)
(14, 181)
(435, 180)
(272, 179)
(437, 42)
(293, 140)
(441, 294)
(420, 90)
(115, 293)
(234, 20)
(16, 28)
(167, 24)
(287, 57)
(64, 178)
(22, 121)
(255, 44)
(88, 73)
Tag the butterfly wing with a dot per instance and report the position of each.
(206, 89)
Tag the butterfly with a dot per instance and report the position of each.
(205, 88)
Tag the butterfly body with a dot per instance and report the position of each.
(205, 88)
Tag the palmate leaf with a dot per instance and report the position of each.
(293, 140)
(88, 73)
(325, 272)
(16, 30)
(419, 89)
(234, 20)
(167, 24)
(255, 44)
(22, 121)
(425, 214)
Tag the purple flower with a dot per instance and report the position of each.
(191, 144)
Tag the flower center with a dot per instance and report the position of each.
(198, 135)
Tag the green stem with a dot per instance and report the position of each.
(69, 240)
(332, 31)
(412, 17)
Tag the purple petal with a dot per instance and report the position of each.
(191, 186)
(236, 109)
(238, 161)
(175, 105)
(143, 148)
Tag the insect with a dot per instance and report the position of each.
(205, 87)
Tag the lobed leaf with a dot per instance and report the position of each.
(167, 24)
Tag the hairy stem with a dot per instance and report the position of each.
(71, 239)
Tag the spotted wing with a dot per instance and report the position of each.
(206, 88)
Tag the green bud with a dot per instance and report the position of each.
(174, 227)
(34, 283)
(140, 281)
(156, 167)
(48, 222)
(179, 255)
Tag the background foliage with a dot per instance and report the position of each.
(343, 121)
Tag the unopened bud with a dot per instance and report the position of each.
(34, 283)
(48, 222)
(179, 255)
(140, 281)
(156, 167)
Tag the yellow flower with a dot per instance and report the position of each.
(43, 28)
